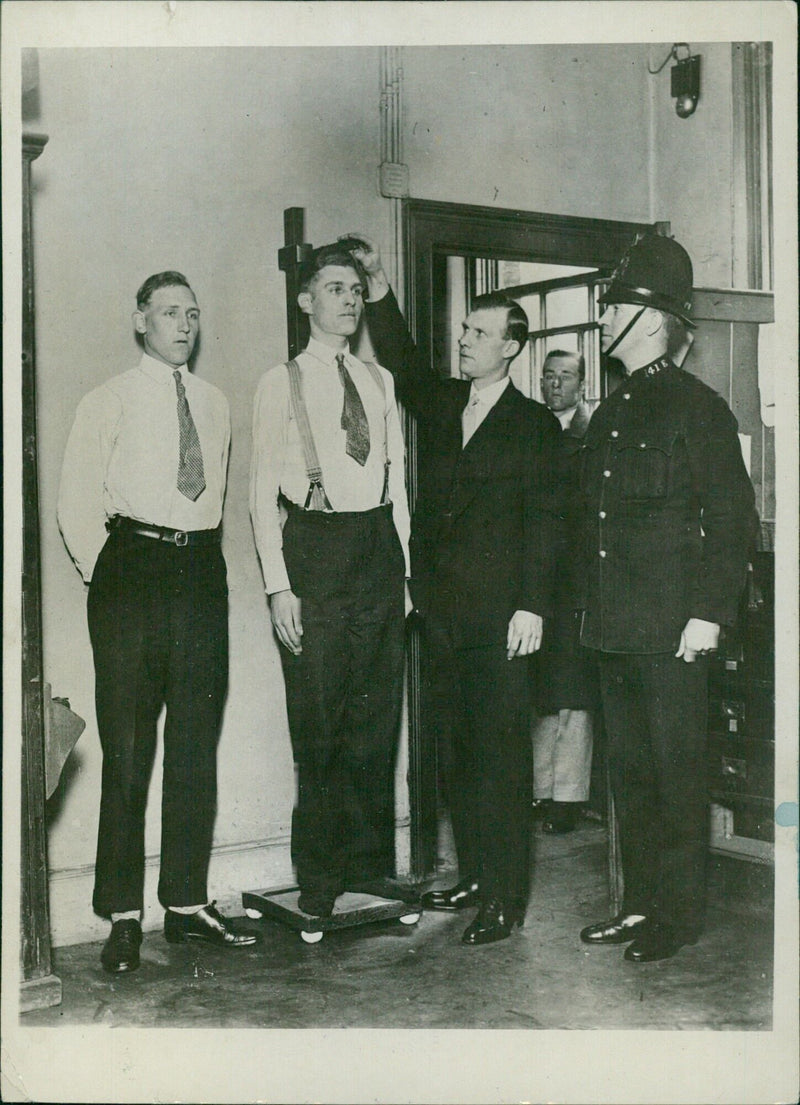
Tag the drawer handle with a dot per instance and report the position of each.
(734, 768)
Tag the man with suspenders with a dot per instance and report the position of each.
(328, 455)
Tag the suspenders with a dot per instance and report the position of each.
(316, 499)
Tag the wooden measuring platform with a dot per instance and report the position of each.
(350, 909)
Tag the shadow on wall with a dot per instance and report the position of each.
(55, 803)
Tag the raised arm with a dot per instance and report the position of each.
(417, 385)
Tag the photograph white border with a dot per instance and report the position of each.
(353, 1065)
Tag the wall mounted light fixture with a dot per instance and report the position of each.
(685, 79)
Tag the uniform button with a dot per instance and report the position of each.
(602, 514)
(615, 433)
(626, 395)
(643, 445)
(603, 553)
(607, 473)
(618, 679)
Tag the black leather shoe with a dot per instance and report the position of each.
(541, 808)
(382, 886)
(656, 944)
(207, 924)
(561, 818)
(619, 930)
(317, 903)
(494, 922)
(120, 953)
(461, 896)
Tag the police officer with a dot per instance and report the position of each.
(668, 518)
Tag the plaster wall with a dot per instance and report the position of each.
(186, 159)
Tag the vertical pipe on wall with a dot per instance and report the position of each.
(397, 214)
(385, 93)
(391, 150)
(751, 165)
(651, 147)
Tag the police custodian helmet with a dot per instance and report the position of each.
(655, 272)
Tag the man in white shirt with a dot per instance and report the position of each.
(328, 450)
(139, 507)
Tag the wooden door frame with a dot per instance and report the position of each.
(431, 231)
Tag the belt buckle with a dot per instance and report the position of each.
(181, 538)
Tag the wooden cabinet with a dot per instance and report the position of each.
(741, 732)
(741, 728)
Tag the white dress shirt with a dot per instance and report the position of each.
(480, 402)
(122, 458)
(565, 417)
(278, 464)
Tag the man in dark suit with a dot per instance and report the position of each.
(483, 546)
(669, 520)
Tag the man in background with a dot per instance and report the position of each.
(564, 673)
(140, 507)
(328, 451)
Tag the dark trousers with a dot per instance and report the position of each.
(656, 709)
(344, 692)
(158, 622)
(479, 700)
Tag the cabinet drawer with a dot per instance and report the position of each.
(741, 766)
(746, 709)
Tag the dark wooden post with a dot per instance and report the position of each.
(294, 252)
(39, 986)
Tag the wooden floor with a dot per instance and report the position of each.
(543, 977)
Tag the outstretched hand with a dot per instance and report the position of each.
(365, 251)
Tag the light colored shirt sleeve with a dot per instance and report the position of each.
(80, 510)
(270, 437)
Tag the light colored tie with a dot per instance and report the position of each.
(354, 417)
(191, 476)
(469, 420)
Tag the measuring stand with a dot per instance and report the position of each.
(350, 909)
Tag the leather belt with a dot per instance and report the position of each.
(178, 537)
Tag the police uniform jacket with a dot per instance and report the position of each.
(668, 512)
(563, 672)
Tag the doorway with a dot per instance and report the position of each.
(559, 300)
(555, 265)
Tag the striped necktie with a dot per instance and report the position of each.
(469, 420)
(354, 418)
(191, 476)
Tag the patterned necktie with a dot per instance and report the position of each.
(354, 418)
(469, 420)
(191, 477)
